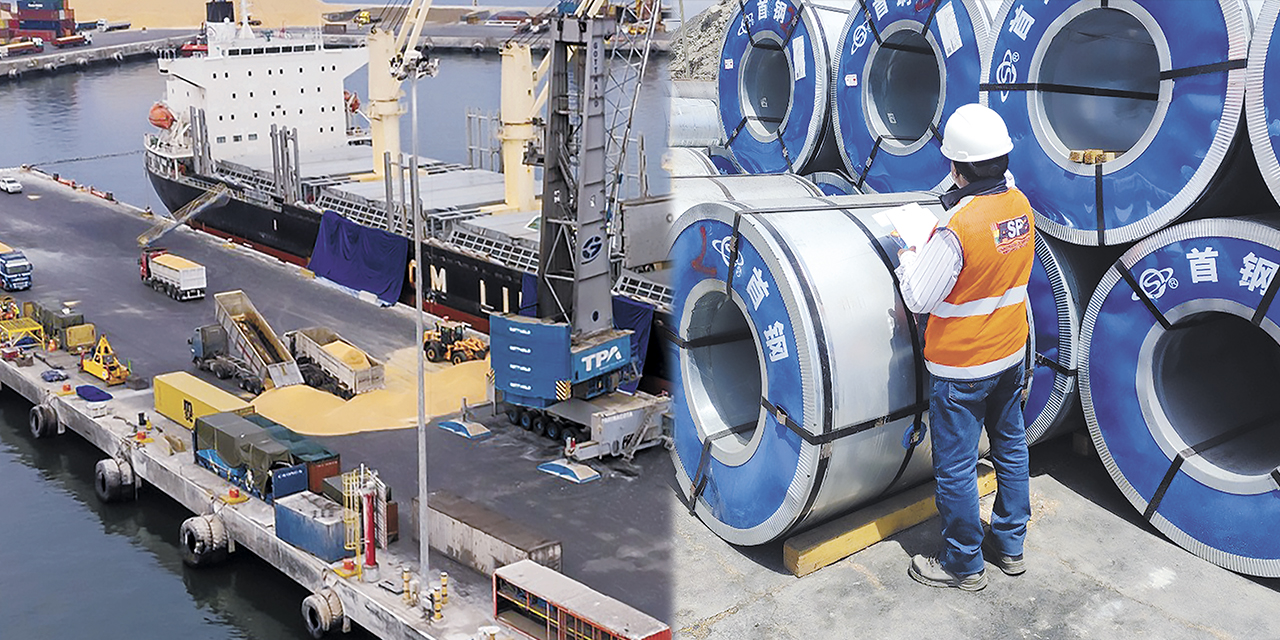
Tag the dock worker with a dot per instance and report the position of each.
(971, 278)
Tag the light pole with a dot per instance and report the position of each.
(417, 67)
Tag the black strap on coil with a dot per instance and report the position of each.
(1199, 70)
(1073, 89)
(1195, 450)
(1142, 295)
(785, 420)
(924, 28)
(705, 341)
(701, 476)
(1261, 312)
(1097, 204)
(1275, 475)
(1054, 365)
(871, 24)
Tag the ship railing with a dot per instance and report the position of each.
(507, 253)
(638, 288)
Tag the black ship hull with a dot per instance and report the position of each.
(458, 286)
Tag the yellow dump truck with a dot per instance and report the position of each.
(182, 397)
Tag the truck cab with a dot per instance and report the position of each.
(15, 269)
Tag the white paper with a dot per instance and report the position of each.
(913, 223)
(949, 29)
(851, 80)
(797, 56)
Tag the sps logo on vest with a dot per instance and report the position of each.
(602, 358)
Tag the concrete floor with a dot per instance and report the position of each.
(1095, 570)
(615, 532)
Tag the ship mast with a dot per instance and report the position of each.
(392, 57)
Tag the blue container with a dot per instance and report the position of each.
(312, 523)
(40, 5)
(529, 356)
(288, 481)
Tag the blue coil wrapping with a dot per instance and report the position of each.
(1053, 298)
(832, 183)
(804, 32)
(814, 319)
(957, 32)
(1200, 48)
(1262, 96)
(724, 161)
(1174, 474)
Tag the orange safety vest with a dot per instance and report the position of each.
(980, 328)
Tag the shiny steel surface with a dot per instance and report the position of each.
(851, 343)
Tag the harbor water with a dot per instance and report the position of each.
(73, 567)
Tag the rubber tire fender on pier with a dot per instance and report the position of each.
(321, 612)
(113, 481)
(203, 540)
(43, 421)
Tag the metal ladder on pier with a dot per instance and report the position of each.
(213, 198)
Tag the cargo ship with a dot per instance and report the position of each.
(265, 117)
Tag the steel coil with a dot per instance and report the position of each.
(832, 183)
(1262, 96)
(804, 334)
(690, 191)
(1180, 363)
(694, 122)
(680, 162)
(1108, 151)
(774, 84)
(902, 69)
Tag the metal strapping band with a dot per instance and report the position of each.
(1261, 312)
(700, 477)
(1216, 67)
(784, 419)
(1195, 450)
(924, 28)
(743, 122)
(875, 149)
(1053, 87)
(871, 24)
(1142, 295)
(705, 341)
(1275, 475)
(909, 49)
(1053, 364)
(1097, 204)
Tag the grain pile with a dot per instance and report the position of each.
(349, 355)
(703, 36)
(316, 413)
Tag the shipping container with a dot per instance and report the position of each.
(183, 398)
(312, 523)
(481, 538)
(41, 5)
(51, 15)
(322, 462)
(244, 454)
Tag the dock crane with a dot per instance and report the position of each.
(559, 373)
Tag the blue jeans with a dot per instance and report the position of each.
(958, 409)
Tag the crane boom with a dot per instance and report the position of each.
(392, 57)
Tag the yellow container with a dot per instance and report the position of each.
(80, 337)
(182, 397)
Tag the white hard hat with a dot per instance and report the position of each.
(975, 133)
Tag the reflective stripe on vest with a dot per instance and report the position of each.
(981, 328)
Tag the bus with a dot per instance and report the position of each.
(542, 604)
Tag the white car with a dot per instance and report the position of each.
(10, 185)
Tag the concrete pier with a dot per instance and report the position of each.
(614, 532)
(106, 49)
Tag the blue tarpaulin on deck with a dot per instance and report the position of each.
(360, 257)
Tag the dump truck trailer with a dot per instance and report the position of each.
(329, 362)
(172, 275)
(253, 341)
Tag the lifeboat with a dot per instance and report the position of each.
(160, 116)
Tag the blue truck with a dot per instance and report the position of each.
(15, 269)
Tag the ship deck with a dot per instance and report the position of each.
(615, 532)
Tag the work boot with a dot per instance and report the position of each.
(1010, 565)
(929, 570)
